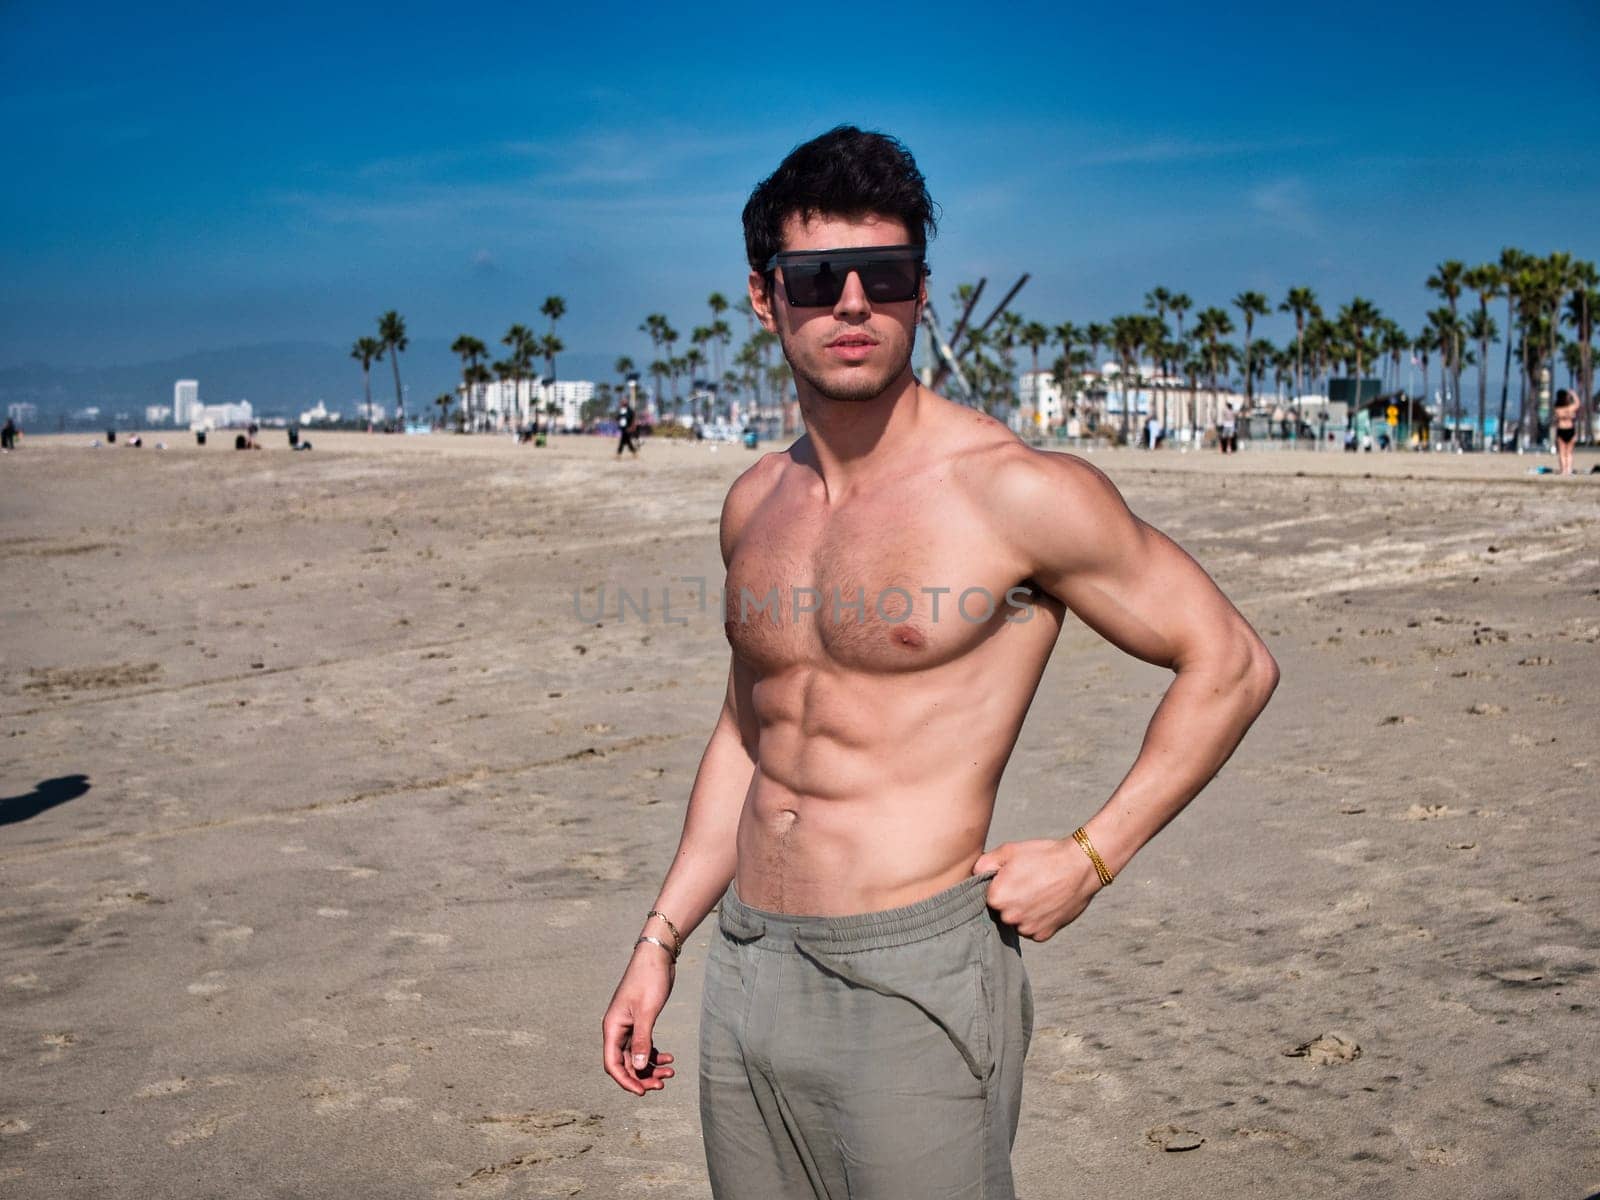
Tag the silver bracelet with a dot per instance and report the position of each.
(648, 938)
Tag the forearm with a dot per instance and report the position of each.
(707, 850)
(1198, 724)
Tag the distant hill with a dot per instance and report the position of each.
(279, 379)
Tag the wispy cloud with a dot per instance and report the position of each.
(1287, 204)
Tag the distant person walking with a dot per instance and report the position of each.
(628, 424)
(8, 436)
(1228, 431)
(1566, 429)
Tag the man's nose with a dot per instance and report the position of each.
(852, 298)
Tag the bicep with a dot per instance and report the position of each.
(1125, 579)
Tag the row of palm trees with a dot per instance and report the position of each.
(713, 377)
(1543, 297)
(523, 347)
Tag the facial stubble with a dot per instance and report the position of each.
(856, 385)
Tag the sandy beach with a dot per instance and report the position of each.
(328, 823)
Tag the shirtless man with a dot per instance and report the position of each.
(865, 1010)
(1565, 429)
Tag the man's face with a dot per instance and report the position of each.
(857, 349)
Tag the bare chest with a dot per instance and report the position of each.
(909, 580)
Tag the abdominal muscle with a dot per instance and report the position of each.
(867, 794)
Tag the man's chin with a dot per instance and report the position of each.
(851, 387)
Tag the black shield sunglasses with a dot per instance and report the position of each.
(815, 278)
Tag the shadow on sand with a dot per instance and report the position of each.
(46, 794)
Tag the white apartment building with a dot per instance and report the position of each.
(185, 400)
(156, 414)
(220, 416)
(1041, 399)
(22, 412)
(505, 404)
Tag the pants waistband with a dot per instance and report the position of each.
(937, 914)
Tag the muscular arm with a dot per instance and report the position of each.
(704, 863)
(1135, 587)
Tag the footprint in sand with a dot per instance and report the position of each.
(1174, 1138)
(26, 982)
(1330, 1049)
(1427, 812)
(333, 913)
(56, 1045)
(1484, 709)
(13, 1126)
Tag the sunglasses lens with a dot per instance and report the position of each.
(819, 284)
(812, 285)
(890, 282)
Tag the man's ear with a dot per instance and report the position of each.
(761, 300)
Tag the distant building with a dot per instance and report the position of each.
(156, 414)
(23, 413)
(318, 415)
(1040, 394)
(185, 399)
(505, 404)
(220, 416)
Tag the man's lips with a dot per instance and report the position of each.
(851, 340)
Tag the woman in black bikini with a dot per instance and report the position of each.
(1566, 428)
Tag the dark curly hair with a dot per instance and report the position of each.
(844, 172)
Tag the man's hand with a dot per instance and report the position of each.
(629, 1054)
(1041, 885)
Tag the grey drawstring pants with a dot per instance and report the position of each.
(868, 1057)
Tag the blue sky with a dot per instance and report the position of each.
(196, 177)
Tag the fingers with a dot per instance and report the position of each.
(641, 1047)
(614, 1059)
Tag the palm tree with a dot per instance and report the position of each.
(1446, 280)
(469, 349)
(1252, 305)
(721, 335)
(1482, 329)
(1211, 326)
(1067, 336)
(367, 351)
(1485, 280)
(1444, 334)
(392, 333)
(549, 346)
(1158, 300)
(1510, 265)
(1302, 302)
(693, 359)
(521, 340)
(444, 400)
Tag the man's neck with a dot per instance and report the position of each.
(851, 440)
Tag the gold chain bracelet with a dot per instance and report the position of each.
(676, 936)
(1082, 838)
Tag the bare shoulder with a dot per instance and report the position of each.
(1018, 481)
(755, 483)
(1053, 508)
